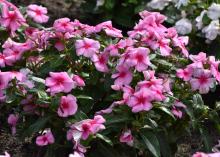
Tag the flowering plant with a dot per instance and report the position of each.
(81, 90)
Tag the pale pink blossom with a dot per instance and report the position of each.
(37, 13)
(45, 139)
(79, 81)
(68, 106)
(63, 25)
(87, 127)
(101, 61)
(5, 77)
(126, 137)
(123, 75)
(59, 82)
(153, 83)
(176, 110)
(165, 50)
(181, 42)
(59, 46)
(6, 155)
(198, 60)
(202, 81)
(141, 101)
(139, 58)
(12, 121)
(185, 74)
(2, 60)
(109, 29)
(200, 154)
(177, 113)
(11, 18)
(13, 51)
(87, 47)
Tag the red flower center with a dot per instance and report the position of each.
(65, 105)
(203, 80)
(60, 80)
(122, 74)
(87, 46)
(85, 127)
(102, 60)
(12, 16)
(141, 100)
(139, 57)
(64, 24)
(44, 139)
(38, 12)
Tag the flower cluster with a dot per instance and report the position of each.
(58, 82)
(203, 74)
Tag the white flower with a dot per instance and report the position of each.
(214, 11)
(179, 3)
(199, 23)
(100, 3)
(212, 30)
(183, 26)
(158, 4)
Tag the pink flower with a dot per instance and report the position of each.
(45, 139)
(79, 81)
(2, 61)
(87, 127)
(177, 112)
(11, 18)
(123, 76)
(59, 82)
(185, 74)
(5, 77)
(203, 81)
(63, 25)
(13, 51)
(153, 83)
(68, 106)
(198, 60)
(141, 101)
(101, 61)
(139, 58)
(200, 154)
(126, 137)
(76, 154)
(87, 47)
(6, 155)
(176, 109)
(181, 42)
(59, 46)
(165, 50)
(37, 13)
(12, 121)
(109, 30)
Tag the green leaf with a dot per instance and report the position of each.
(206, 138)
(109, 4)
(80, 115)
(117, 119)
(104, 138)
(164, 62)
(39, 80)
(197, 99)
(42, 95)
(37, 126)
(84, 97)
(151, 142)
(167, 111)
(164, 145)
